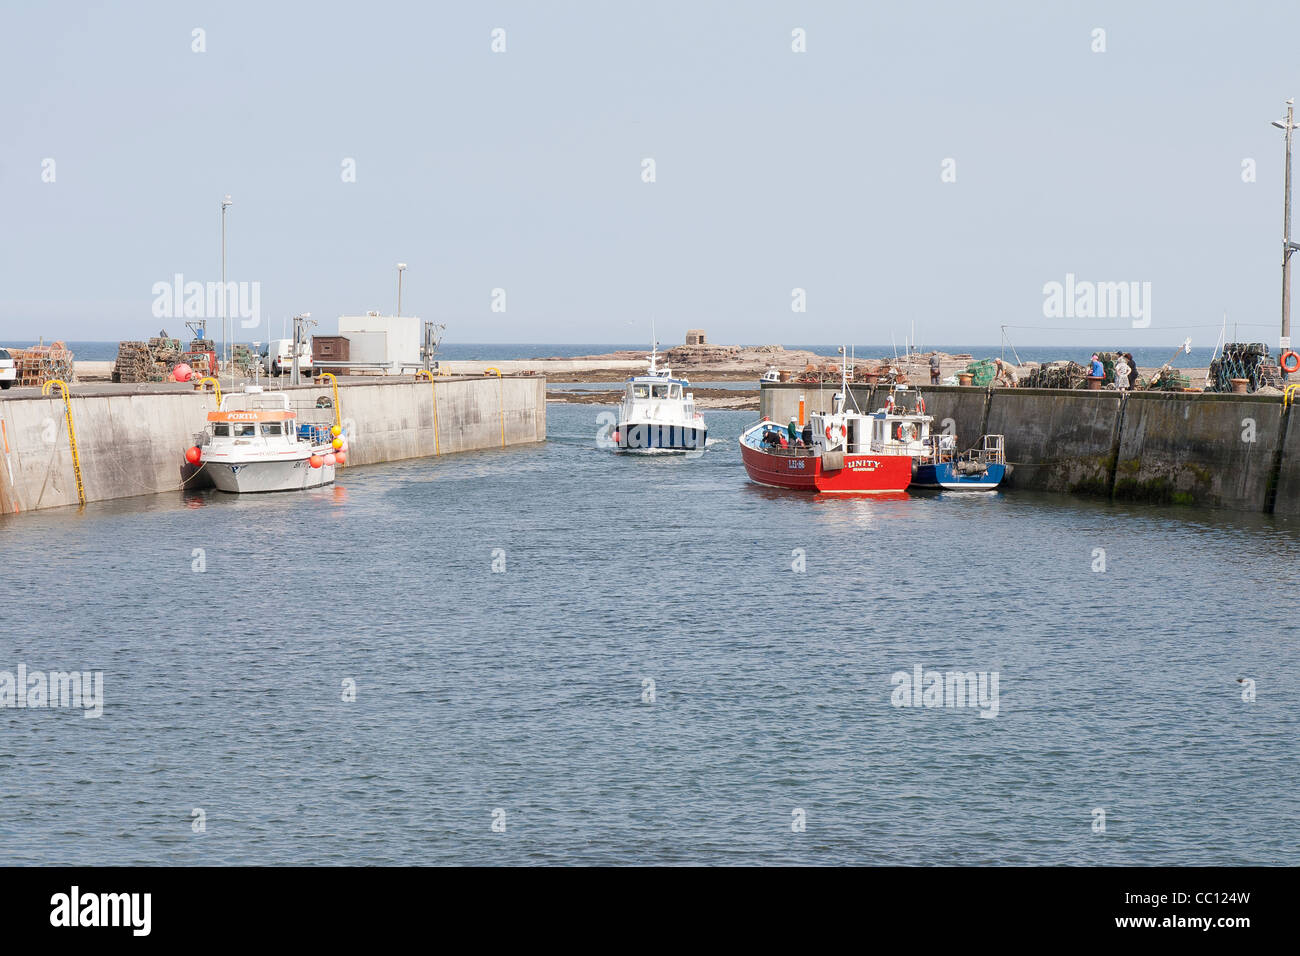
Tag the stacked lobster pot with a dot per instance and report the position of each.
(1249, 361)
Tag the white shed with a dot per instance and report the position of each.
(383, 338)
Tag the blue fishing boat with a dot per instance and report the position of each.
(980, 469)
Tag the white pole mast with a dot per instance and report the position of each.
(225, 307)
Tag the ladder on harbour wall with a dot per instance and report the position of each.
(1275, 477)
(72, 433)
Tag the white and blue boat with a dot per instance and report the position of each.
(658, 414)
(980, 469)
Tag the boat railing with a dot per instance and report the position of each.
(939, 449)
(993, 450)
(793, 449)
(318, 433)
(790, 451)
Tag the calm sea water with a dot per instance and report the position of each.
(524, 691)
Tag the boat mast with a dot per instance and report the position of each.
(846, 395)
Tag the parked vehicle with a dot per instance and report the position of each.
(277, 357)
(8, 371)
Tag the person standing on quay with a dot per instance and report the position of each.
(1122, 371)
(934, 368)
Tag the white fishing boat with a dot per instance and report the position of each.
(658, 414)
(254, 442)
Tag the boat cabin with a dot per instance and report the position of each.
(254, 422)
(658, 398)
(893, 430)
(670, 389)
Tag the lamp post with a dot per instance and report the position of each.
(225, 309)
(1288, 246)
(401, 267)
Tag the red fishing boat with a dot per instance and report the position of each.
(843, 451)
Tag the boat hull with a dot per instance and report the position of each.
(652, 438)
(861, 474)
(944, 476)
(255, 477)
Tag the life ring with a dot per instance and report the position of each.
(828, 432)
(910, 428)
(843, 431)
(1289, 368)
(920, 406)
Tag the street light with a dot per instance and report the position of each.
(1288, 247)
(401, 267)
(225, 310)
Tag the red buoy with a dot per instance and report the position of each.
(315, 461)
(192, 454)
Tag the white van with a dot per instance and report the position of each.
(8, 372)
(277, 356)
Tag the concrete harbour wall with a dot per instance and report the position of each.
(1240, 452)
(133, 442)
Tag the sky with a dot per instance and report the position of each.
(918, 164)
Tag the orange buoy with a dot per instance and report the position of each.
(315, 461)
(192, 455)
(341, 457)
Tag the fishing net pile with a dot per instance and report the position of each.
(1166, 380)
(981, 372)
